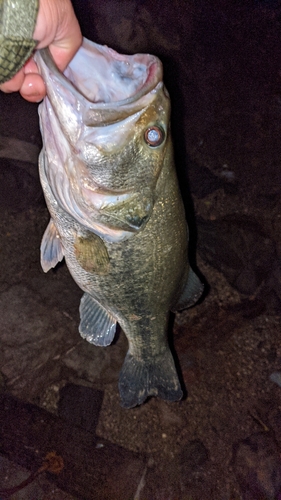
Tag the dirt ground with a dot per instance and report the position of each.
(222, 63)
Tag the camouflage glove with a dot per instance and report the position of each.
(17, 22)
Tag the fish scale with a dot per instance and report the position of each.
(118, 217)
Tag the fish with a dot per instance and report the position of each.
(117, 217)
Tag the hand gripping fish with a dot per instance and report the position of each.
(117, 216)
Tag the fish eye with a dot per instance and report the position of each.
(154, 136)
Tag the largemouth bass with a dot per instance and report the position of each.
(117, 216)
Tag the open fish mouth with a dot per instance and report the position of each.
(109, 91)
(117, 77)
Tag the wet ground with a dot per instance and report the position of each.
(222, 64)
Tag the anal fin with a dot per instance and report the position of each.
(97, 325)
(191, 293)
(51, 248)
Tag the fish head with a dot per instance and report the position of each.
(105, 129)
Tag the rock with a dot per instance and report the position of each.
(15, 149)
(12, 474)
(257, 466)
(237, 246)
(19, 190)
(193, 455)
(95, 363)
(193, 459)
(276, 377)
(93, 468)
(204, 182)
(161, 481)
(80, 406)
(33, 337)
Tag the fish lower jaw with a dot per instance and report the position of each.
(129, 224)
(125, 211)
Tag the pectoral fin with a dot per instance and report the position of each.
(91, 253)
(97, 325)
(51, 248)
(191, 293)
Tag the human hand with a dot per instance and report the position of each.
(58, 28)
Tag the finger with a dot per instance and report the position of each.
(64, 50)
(33, 88)
(14, 84)
(63, 34)
(30, 66)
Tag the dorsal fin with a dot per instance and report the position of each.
(191, 293)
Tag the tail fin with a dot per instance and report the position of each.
(138, 380)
